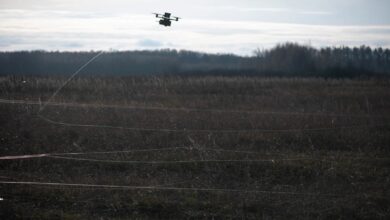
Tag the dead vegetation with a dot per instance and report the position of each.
(255, 138)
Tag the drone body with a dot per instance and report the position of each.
(166, 19)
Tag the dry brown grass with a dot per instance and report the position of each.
(341, 166)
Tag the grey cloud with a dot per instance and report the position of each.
(149, 43)
(7, 41)
(52, 14)
(71, 45)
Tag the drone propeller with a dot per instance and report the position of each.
(157, 15)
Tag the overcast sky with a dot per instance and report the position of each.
(223, 26)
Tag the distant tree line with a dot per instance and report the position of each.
(295, 59)
(287, 59)
(115, 62)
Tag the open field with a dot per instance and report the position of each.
(207, 147)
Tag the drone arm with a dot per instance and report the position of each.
(174, 19)
(158, 15)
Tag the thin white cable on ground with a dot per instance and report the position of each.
(18, 157)
(124, 151)
(133, 107)
(273, 160)
(29, 156)
(23, 157)
(157, 188)
(179, 161)
(68, 80)
(208, 130)
(173, 184)
(165, 149)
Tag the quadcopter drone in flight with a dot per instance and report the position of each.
(166, 19)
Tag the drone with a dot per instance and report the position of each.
(166, 19)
